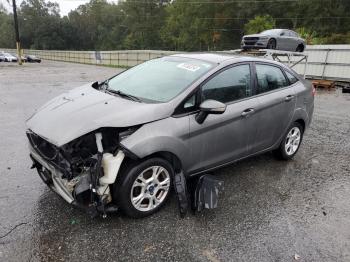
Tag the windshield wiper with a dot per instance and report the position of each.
(122, 94)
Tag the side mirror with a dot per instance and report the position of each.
(209, 107)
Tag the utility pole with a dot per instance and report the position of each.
(18, 44)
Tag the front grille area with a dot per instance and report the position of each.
(50, 153)
(250, 40)
(46, 150)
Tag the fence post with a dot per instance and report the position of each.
(325, 63)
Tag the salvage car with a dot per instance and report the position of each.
(122, 142)
(280, 39)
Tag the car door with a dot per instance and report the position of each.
(294, 37)
(276, 105)
(225, 137)
(281, 40)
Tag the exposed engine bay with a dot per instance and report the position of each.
(82, 170)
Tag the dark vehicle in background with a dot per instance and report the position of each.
(279, 39)
(2, 57)
(123, 141)
(32, 59)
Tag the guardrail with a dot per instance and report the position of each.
(324, 61)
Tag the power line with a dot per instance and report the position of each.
(214, 2)
(276, 18)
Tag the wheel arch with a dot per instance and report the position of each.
(302, 45)
(274, 39)
(173, 159)
(301, 122)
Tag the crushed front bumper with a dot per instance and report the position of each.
(51, 176)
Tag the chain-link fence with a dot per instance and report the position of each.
(126, 58)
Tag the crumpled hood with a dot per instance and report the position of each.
(85, 109)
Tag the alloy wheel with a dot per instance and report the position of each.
(150, 188)
(292, 141)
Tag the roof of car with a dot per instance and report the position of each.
(219, 58)
(209, 57)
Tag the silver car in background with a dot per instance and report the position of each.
(7, 57)
(124, 140)
(280, 39)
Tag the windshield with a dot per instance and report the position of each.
(271, 32)
(159, 80)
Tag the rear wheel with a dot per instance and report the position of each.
(300, 48)
(291, 142)
(144, 187)
(271, 44)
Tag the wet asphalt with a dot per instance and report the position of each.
(270, 210)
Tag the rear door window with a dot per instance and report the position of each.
(269, 78)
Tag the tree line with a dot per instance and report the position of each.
(191, 25)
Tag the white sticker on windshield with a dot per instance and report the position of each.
(189, 67)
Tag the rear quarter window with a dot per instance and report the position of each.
(292, 79)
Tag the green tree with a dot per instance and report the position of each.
(259, 23)
(142, 23)
(7, 35)
(185, 27)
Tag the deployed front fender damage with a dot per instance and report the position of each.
(81, 178)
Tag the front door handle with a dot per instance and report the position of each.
(288, 98)
(248, 112)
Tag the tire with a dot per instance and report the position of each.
(346, 89)
(300, 48)
(271, 44)
(286, 150)
(146, 194)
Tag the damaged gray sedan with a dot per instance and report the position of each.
(123, 143)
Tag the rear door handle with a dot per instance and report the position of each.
(289, 98)
(248, 112)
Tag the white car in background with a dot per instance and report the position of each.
(279, 39)
(7, 57)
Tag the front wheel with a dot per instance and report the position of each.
(300, 48)
(291, 142)
(271, 44)
(143, 188)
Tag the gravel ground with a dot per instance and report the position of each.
(270, 210)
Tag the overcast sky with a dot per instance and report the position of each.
(65, 5)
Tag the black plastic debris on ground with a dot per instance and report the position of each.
(199, 192)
